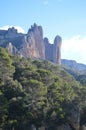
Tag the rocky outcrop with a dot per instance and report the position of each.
(57, 50)
(10, 34)
(12, 49)
(53, 51)
(48, 50)
(32, 44)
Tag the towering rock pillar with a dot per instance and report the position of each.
(33, 43)
(48, 50)
(57, 50)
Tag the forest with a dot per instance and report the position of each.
(35, 92)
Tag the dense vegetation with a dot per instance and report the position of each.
(36, 92)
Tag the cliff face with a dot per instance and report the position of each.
(32, 44)
(12, 49)
(48, 50)
(57, 50)
(53, 51)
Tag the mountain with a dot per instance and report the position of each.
(31, 45)
(74, 65)
(34, 45)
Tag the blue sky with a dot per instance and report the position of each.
(66, 18)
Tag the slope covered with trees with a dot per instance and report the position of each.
(38, 93)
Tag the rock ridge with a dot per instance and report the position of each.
(32, 44)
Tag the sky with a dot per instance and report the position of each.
(66, 18)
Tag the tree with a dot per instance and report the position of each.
(6, 67)
(3, 109)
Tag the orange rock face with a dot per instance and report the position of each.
(57, 50)
(32, 44)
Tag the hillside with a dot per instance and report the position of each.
(39, 94)
(74, 65)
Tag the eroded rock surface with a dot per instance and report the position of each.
(32, 44)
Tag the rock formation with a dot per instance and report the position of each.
(32, 44)
(57, 50)
(53, 51)
(12, 49)
(48, 50)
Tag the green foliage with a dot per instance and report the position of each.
(82, 79)
(5, 57)
(3, 109)
(33, 92)
(6, 67)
